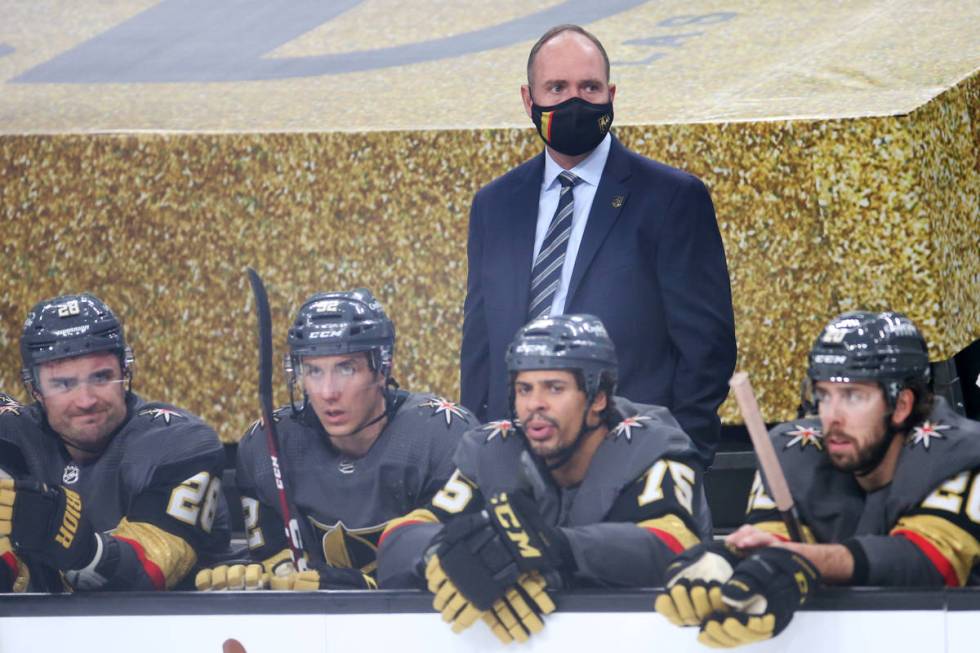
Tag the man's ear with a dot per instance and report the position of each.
(903, 406)
(526, 98)
(599, 403)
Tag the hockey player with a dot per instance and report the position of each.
(582, 488)
(885, 482)
(100, 489)
(356, 452)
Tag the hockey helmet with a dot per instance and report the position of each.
(68, 326)
(329, 324)
(861, 346)
(565, 342)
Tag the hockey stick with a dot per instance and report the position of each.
(265, 400)
(769, 464)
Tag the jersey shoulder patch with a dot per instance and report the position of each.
(166, 433)
(924, 434)
(444, 410)
(627, 425)
(9, 405)
(500, 430)
(277, 416)
(166, 414)
(802, 435)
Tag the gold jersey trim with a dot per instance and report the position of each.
(418, 515)
(173, 555)
(673, 526)
(957, 546)
(23, 578)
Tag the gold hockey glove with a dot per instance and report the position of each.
(762, 595)
(694, 581)
(321, 577)
(248, 576)
(455, 608)
(48, 522)
(474, 557)
(518, 614)
(233, 577)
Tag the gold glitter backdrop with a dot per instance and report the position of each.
(817, 217)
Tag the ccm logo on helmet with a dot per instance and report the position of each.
(69, 523)
(532, 349)
(327, 333)
(833, 359)
(515, 532)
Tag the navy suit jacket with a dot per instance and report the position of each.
(651, 266)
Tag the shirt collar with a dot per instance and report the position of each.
(588, 170)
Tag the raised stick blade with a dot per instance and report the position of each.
(265, 342)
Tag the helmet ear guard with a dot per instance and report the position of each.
(292, 378)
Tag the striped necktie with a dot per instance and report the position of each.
(546, 272)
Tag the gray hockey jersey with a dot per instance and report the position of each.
(645, 473)
(156, 486)
(920, 529)
(345, 503)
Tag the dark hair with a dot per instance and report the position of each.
(560, 29)
(608, 416)
(921, 407)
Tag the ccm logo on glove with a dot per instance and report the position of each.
(69, 524)
(512, 526)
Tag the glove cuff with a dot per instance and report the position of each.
(99, 571)
(719, 548)
(861, 565)
(786, 559)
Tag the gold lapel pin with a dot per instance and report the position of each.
(618, 201)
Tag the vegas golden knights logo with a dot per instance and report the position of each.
(515, 532)
(604, 122)
(350, 548)
(69, 524)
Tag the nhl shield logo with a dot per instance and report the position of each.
(70, 476)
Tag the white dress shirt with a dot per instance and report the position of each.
(589, 171)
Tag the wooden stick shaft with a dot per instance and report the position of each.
(768, 462)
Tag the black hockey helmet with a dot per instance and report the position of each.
(68, 326)
(861, 346)
(335, 323)
(566, 342)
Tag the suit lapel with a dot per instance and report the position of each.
(610, 198)
(520, 225)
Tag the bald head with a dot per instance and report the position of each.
(564, 33)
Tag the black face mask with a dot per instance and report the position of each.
(573, 127)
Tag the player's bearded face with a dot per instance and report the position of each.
(84, 398)
(550, 405)
(854, 420)
(344, 392)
